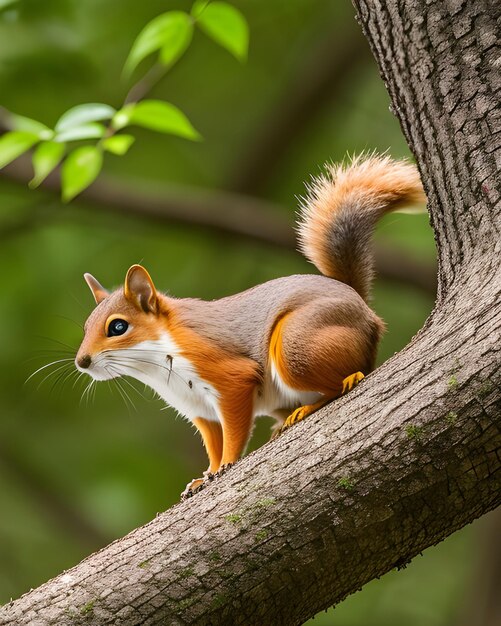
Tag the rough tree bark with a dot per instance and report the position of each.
(413, 454)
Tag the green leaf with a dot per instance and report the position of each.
(156, 115)
(46, 157)
(6, 3)
(227, 27)
(171, 32)
(118, 144)
(198, 7)
(83, 113)
(80, 169)
(19, 122)
(14, 143)
(92, 130)
(178, 41)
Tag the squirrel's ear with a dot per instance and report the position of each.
(97, 289)
(140, 290)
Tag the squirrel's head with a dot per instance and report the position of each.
(121, 320)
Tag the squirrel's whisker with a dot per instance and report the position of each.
(45, 367)
(61, 343)
(85, 393)
(52, 373)
(169, 369)
(61, 378)
(290, 344)
(126, 398)
(126, 381)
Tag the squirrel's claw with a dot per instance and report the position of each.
(296, 416)
(303, 411)
(351, 381)
(223, 469)
(197, 484)
(192, 487)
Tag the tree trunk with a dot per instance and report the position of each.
(410, 456)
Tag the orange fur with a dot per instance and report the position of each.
(356, 194)
(146, 328)
(234, 377)
(275, 348)
(336, 352)
(212, 436)
(321, 336)
(140, 290)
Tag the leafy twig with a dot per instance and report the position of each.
(169, 34)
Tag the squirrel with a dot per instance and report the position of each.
(283, 348)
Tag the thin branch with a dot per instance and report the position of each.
(32, 216)
(235, 215)
(146, 84)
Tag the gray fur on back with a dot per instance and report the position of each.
(243, 322)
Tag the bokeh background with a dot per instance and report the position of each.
(79, 470)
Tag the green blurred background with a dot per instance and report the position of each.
(76, 473)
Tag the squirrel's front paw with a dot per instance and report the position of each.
(197, 484)
(191, 488)
(223, 469)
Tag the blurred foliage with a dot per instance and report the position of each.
(169, 33)
(74, 473)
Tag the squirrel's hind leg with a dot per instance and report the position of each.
(299, 414)
(303, 411)
(318, 349)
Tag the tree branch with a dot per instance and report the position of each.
(360, 488)
(224, 213)
(145, 85)
(33, 215)
(407, 458)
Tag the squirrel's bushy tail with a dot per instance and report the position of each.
(340, 211)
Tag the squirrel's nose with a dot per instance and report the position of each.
(84, 361)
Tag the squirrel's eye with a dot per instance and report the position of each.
(117, 327)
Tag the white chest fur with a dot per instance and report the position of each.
(160, 365)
